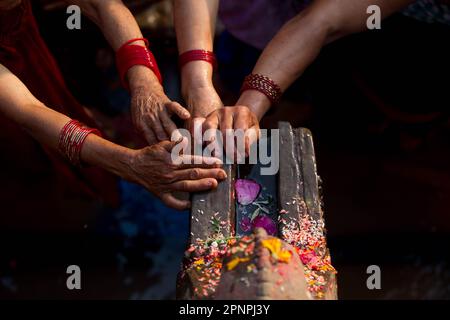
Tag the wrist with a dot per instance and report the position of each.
(108, 156)
(256, 101)
(141, 77)
(202, 100)
(195, 75)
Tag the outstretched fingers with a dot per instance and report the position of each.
(194, 185)
(189, 161)
(200, 173)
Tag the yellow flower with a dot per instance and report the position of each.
(235, 261)
(275, 247)
(199, 262)
(284, 256)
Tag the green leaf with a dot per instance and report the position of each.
(255, 213)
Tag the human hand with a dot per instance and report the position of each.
(151, 109)
(153, 168)
(201, 101)
(230, 119)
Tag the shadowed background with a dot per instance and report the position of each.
(377, 104)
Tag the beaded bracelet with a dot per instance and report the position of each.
(264, 85)
(71, 140)
(198, 55)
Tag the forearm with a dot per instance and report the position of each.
(299, 41)
(118, 25)
(45, 124)
(195, 22)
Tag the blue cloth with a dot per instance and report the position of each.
(143, 215)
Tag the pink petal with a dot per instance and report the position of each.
(247, 191)
(308, 257)
(246, 224)
(266, 223)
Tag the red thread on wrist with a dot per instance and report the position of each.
(197, 55)
(71, 140)
(130, 55)
(263, 84)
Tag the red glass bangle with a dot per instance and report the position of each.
(198, 55)
(130, 55)
(264, 85)
(71, 140)
(136, 40)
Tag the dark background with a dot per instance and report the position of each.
(377, 104)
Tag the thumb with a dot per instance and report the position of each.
(169, 145)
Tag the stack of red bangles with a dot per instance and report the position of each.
(71, 139)
(130, 55)
(198, 55)
(264, 85)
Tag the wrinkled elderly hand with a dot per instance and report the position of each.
(151, 109)
(151, 114)
(237, 117)
(153, 168)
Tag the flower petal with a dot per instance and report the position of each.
(246, 190)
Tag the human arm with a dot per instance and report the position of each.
(195, 23)
(294, 48)
(151, 109)
(151, 167)
(300, 40)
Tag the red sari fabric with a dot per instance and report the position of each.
(27, 167)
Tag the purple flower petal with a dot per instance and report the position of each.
(247, 191)
(266, 223)
(246, 224)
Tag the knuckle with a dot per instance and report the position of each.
(165, 156)
(147, 151)
(158, 153)
(207, 124)
(194, 174)
(153, 117)
(147, 117)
